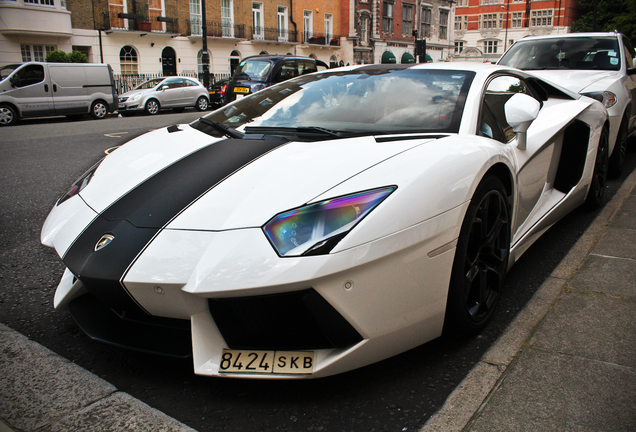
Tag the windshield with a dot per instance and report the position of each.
(369, 100)
(5, 71)
(256, 70)
(149, 84)
(564, 53)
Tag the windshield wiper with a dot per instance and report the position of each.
(225, 130)
(301, 130)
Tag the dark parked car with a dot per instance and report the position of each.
(217, 92)
(258, 72)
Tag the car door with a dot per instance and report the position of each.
(191, 92)
(70, 94)
(31, 91)
(172, 93)
(536, 164)
(630, 81)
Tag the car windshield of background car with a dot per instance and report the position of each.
(367, 100)
(255, 69)
(592, 53)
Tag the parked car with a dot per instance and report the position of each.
(37, 89)
(164, 93)
(599, 65)
(329, 221)
(258, 72)
(217, 92)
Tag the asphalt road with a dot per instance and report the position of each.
(39, 159)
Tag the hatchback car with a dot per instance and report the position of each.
(162, 93)
(217, 92)
(258, 72)
(599, 65)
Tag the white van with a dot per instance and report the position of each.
(36, 89)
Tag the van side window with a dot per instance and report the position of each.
(29, 75)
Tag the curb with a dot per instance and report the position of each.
(467, 401)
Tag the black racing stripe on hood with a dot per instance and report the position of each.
(139, 215)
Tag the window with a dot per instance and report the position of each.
(387, 17)
(426, 22)
(227, 19)
(116, 7)
(195, 17)
(128, 61)
(493, 122)
(459, 47)
(364, 29)
(155, 10)
(541, 18)
(29, 75)
(258, 28)
(461, 22)
(282, 24)
(443, 23)
(490, 47)
(35, 52)
(490, 21)
(200, 61)
(629, 53)
(308, 24)
(328, 28)
(517, 19)
(407, 20)
(40, 2)
(491, 2)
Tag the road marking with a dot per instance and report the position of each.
(115, 134)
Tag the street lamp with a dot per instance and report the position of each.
(506, 36)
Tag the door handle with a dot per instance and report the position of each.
(46, 88)
(54, 87)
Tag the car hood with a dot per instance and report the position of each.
(574, 80)
(248, 192)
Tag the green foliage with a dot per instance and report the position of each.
(56, 56)
(77, 57)
(610, 15)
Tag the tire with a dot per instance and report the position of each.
(8, 115)
(202, 103)
(481, 261)
(152, 107)
(99, 109)
(596, 193)
(617, 160)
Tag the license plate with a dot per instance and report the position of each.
(212, 91)
(264, 362)
(241, 89)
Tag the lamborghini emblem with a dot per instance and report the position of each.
(104, 241)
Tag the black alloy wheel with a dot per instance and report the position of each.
(481, 260)
(599, 178)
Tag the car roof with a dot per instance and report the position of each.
(276, 57)
(572, 35)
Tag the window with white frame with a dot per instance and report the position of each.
(364, 29)
(328, 28)
(491, 2)
(200, 61)
(40, 2)
(443, 23)
(282, 24)
(258, 27)
(461, 22)
(541, 18)
(128, 61)
(459, 47)
(227, 18)
(517, 20)
(426, 22)
(35, 52)
(407, 19)
(195, 17)
(115, 7)
(387, 17)
(489, 21)
(308, 24)
(155, 9)
(490, 47)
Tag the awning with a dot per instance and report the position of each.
(429, 59)
(407, 58)
(388, 57)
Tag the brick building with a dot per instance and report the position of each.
(484, 29)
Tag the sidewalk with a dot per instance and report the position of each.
(568, 361)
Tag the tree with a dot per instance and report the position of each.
(77, 57)
(610, 15)
(56, 56)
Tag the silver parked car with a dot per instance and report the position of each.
(162, 93)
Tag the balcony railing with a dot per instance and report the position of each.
(273, 34)
(321, 39)
(215, 29)
(116, 21)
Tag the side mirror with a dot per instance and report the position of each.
(521, 110)
(165, 87)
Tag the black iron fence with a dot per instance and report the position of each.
(215, 29)
(125, 83)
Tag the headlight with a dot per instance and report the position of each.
(607, 98)
(135, 97)
(80, 183)
(316, 228)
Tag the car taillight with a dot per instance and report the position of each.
(222, 91)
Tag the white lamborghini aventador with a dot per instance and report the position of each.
(327, 222)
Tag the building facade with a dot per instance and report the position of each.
(484, 29)
(376, 31)
(165, 36)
